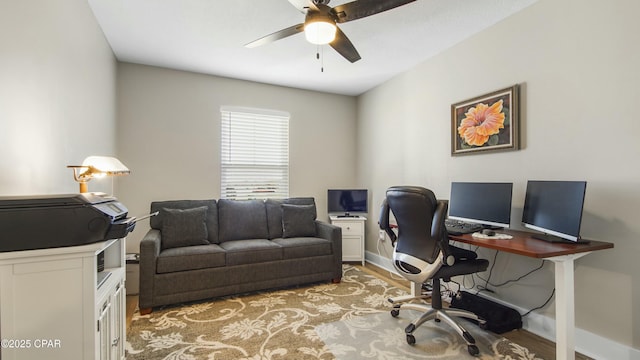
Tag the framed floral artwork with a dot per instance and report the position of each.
(486, 123)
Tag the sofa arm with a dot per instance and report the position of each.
(149, 251)
(334, 234)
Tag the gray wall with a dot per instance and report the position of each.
(578, 66)
(57, 95)
(169, 136)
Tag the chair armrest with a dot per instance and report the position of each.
(332, 233)
(384, 224)
(149, 251)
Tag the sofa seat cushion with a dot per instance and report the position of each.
(300, 247)
(251, 251)
(190, 258)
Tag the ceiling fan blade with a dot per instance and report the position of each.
(363, 8)
(301, 5)
(292, 30)
(344, 47)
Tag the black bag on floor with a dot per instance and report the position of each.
(500, 318)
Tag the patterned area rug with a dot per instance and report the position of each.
(380, 336)
(349, 320)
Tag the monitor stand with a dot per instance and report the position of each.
(557, 239)
(493, 227)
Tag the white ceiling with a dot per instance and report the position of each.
(208, 36)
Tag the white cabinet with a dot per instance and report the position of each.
(54, 304)
(111, 332)
(352, 236)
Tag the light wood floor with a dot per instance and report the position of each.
(132, 304)
(542, 347)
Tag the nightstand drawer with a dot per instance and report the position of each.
(350, 228)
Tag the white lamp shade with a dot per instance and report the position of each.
(106, 165)
(320, 32)
(95, 167)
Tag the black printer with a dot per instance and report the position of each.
(49, 221)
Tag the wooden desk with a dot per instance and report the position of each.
(563, 256)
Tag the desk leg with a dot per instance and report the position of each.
(565, 301)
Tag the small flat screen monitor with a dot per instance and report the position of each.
(488, 204)
(346, 202)
(555, 209)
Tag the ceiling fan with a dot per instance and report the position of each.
(320, 23)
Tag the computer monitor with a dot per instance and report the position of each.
(488, 204)
(346, 202)
(555, 209)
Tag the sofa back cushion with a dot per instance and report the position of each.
(211, 218)
(274, 212)
(242, 220)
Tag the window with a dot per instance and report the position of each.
(254, 154)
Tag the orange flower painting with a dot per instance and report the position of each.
(488, 122)
(481, 122)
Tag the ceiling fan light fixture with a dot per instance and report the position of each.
(320, 31)
(320, 23)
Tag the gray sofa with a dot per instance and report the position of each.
(199, 249)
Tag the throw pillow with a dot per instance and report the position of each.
(274, 213)
(184, 227)
(298, 220)
(212, 214)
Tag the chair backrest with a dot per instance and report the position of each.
(422, 242)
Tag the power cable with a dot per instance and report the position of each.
(543, 305)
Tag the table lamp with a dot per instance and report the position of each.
(97, 167)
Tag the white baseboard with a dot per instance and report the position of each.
(379, 261)
(587, 343)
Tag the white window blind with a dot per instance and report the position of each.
(254, 154)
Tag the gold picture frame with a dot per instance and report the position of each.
(486, 123)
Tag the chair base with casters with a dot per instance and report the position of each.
(466, 262)
(425, 294)
(438, 313)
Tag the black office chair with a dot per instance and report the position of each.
(422, 253)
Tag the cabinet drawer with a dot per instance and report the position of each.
(350, 228)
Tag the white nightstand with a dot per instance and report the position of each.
(352, 236)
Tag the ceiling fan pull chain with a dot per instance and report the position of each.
(319, 57)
